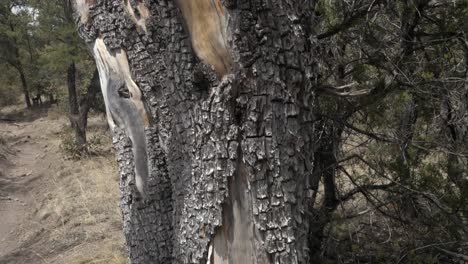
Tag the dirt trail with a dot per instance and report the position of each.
(46, 213)
(27, 142)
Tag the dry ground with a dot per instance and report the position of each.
(54, 209)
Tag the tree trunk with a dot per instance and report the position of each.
(18, 65)
(74, 115)
(24, 85)
(211, 105)
(454, 107)
(79, 112)
(325, 168)
(89, 100)
(72, 96)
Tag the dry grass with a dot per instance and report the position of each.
(84, 201)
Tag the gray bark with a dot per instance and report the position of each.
(229, 141)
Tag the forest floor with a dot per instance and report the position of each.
(55, 209)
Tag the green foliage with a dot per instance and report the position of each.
(39, 37)
(329, 11)
(63, 44)
(409, 133)
(9, 86)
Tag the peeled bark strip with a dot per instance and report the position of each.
(229, 152)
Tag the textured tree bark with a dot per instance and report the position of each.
(211, 106)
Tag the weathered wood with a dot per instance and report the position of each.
(228, 93)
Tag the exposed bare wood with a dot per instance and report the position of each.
(206, 22)
(124, 105)
(139, 17)
(82, 7)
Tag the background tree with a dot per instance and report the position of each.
(396, 159)
(39, 41)
(9, 91)
(14, 21)
(63, 49)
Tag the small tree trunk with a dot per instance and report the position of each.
(79, 112)
(88, 101)
(456, 132)
(24, 84)
(51, 100)
(74, 116)
(325, 168)
(18, 65)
